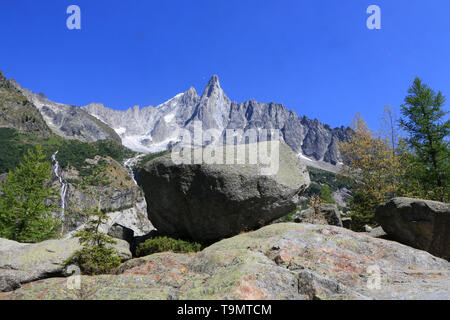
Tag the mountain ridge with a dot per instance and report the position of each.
(17, 112)
(65, 120)
(153, 129)
(309, 138)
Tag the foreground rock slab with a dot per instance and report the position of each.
(209, 202)
(422, 224)
(280, 261)
(23, 263)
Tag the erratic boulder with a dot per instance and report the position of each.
(23, 263)
(209, 202)
(422, 224)
(280, 261)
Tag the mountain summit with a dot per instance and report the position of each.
(154, 129)
(213, 87)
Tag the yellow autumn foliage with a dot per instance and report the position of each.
(372, 162)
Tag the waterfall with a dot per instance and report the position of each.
(129, 163)
(64, 186)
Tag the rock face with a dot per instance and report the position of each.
(208, 202)
(422, 224)
(23, 263)
(18, 113)
(109, 187)
(280, 261)
(67, 121)
(328, 214)
(342, 196)
(120, 232)
(154, 129)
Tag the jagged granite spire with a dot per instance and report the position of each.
(214, 107)
(212, 87)
(190, 97)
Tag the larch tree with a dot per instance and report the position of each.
(26, 201)
(369, 160)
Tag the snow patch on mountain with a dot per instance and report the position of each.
(169, 117)
(120, 131)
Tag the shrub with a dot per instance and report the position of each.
(325, 195)
(162, 244)
(313, 189)
(151, 156)
(95, 260)
(332, 180)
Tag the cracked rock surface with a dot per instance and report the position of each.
(280, 261)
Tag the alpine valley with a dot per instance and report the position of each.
(232, 233)
(94, 148)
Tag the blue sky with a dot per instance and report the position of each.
(317, 57)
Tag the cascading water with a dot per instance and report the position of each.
(64, 186)
(129, 163)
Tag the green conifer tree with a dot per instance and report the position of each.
(97, 256)
(428, 132)
(25, 201)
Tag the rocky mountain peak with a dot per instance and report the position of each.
(18, 112)
(190, 97)
(191, 91)
(3, 81)
(212, 87)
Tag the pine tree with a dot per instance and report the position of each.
(25, 201)
(97, 256)
(91, 235)
(423, 121)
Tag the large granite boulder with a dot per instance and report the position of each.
(23, 263)
(209, 202)
(422, 224)
(280, 261)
